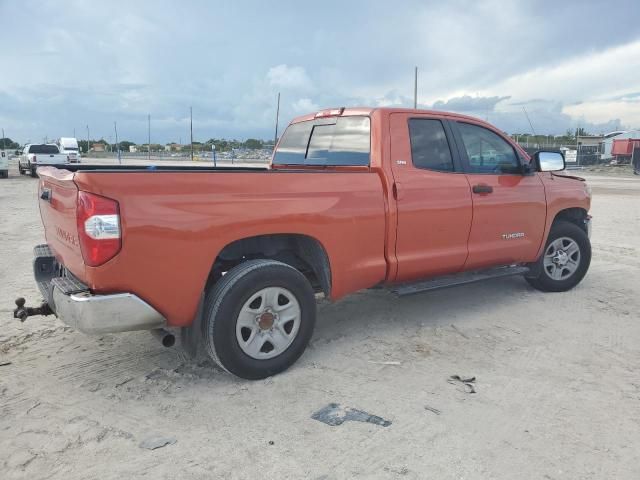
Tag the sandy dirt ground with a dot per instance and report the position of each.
(557, 380)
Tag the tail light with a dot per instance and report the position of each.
(33, 159)
(98, 220)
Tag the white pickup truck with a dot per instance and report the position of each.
(38, 155)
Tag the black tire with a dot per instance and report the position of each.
(4, 173)
(223, 303)
(33, 172)
(543, 281)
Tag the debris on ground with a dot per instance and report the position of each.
(335, 414)
(431, 409)
(385, 363)
(4, 364)
(457, 330)
(467, 382)
(151, 443)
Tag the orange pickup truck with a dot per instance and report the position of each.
(353, 198)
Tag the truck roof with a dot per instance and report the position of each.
(348, 111)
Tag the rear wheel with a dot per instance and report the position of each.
(33, 172)
(259, 318)
(565, 260)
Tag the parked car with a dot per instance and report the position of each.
(69, 146)
(4, 164)
(353, 199)
(36, 155)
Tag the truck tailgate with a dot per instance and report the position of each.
(58, 195)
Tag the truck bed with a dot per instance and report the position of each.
(176, 220)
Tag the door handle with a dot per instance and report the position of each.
(482, 188)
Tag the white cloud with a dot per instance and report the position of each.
(304, 105)
(295, 78)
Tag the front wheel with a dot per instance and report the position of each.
(565, 259)
(259, 318)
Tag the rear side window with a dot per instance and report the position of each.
(44, 149)
(429, 145)
(338, 141)
(488, 152)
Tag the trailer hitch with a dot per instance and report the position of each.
(22, 312)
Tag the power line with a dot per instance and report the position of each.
(530, 124)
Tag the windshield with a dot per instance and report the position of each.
(331, 141)
(44, 149)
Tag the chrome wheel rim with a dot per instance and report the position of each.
(562, 258)
(268, 323)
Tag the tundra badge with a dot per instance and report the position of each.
(511, 236)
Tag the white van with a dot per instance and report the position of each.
(69, 146)
(4, 164)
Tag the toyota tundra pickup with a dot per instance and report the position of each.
(354, 198)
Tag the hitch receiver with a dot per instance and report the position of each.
(22, 312)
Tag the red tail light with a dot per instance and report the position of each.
(34, 158)
(98, 220)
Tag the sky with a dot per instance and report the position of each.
(67, 64)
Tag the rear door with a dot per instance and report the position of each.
(433, 197)
(509, 206)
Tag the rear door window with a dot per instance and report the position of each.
(333, 141)
(429, 146)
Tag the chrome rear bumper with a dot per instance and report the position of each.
(74, 304)
(98, 314)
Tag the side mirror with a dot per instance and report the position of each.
(549, 161)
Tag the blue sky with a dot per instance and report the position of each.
(72, 63)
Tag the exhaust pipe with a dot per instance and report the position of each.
(166, 338)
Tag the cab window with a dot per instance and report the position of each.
(487, 152)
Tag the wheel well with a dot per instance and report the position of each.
(573, 215)
(302, 252)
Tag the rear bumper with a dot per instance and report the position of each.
(75, 305)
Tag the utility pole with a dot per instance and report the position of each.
(115, 127)
(149, 137)
(415, 89)
(275, 138)
(3, 144)
(191, 129)
(87, 140)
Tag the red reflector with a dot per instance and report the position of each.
(98, 221)
(334, 112)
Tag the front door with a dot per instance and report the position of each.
(509, 206)
(433, 197)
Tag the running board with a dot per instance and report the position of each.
(463, 278)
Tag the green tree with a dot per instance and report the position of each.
(253, 144)
(8, 144)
